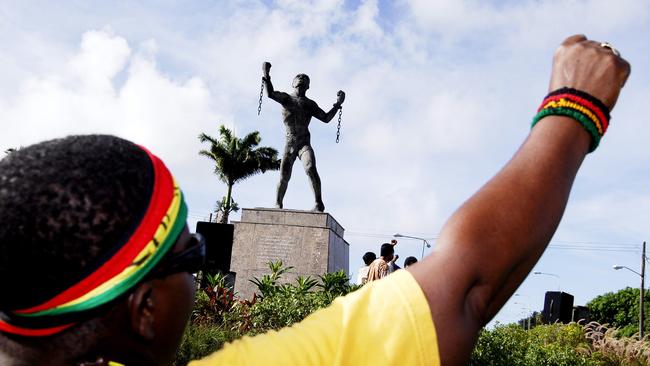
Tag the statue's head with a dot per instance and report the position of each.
(301, 80)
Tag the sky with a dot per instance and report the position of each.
(440, 94)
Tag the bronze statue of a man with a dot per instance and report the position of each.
(297, 111)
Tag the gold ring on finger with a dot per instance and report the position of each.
(608, 45)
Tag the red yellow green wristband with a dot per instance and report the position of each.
(586, 109)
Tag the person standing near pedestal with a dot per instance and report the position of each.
(409, 261)
(385, 264)
(368, 258)
(297, 111)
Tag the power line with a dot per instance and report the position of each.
(594, 242)
(380, 235)
(585, 245)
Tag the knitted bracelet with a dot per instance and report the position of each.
(586, 109)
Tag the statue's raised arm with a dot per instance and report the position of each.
(279, 97)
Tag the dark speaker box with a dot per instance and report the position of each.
(581, 313)
(218, 240)
(558, 307)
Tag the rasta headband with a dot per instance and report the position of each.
(133, 259)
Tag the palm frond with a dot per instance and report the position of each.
(237, 159)
(251, 140)
(208, 154)
(226, 135)
(203, 138)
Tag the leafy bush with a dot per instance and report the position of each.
(504, 345)
(558, 345)
(202, 340)
(281, 305)
(620, 309)
(285, 308)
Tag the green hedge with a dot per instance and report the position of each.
(558, 345)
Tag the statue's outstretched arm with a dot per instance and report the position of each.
(326, 117)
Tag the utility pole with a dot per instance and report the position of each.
(641, 293)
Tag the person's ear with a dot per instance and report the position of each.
(141, 310)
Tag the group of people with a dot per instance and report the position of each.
(377, 268)
(96, 256)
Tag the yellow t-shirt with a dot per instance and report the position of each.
(386, 322)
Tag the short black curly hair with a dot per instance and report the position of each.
(65, 204)
(369, 257)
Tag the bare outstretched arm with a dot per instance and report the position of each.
(326, 117)
(490, 244)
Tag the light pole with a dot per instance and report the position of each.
(552, 275)
(424, 241)
(642, 275)
(530, 314)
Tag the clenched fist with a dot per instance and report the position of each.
(266, 68)
(585, 65)
(340, 97)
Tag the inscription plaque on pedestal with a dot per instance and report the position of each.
(311, 242)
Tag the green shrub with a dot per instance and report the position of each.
(504, 345)
(558, 345)
(621, 310)
(284, 309)
(202, 340)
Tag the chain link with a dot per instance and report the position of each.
(338, 129)
(259, 107)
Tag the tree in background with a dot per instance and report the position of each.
(235, 160)
(620, 309)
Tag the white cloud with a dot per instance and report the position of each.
(148, 107)
(365, 19)
(101, 56)
(598, 213)
(455, 16)
(524, 23)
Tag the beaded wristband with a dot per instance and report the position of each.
(586, 109)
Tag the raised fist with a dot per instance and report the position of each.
(340, 97)
(266, 68)
(590, 66)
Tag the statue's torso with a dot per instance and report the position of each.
(296, 113)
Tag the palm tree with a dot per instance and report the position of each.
(235, 160)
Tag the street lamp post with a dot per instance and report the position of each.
(642, 275)
(424, 241)
(529, 314)
(552, 275)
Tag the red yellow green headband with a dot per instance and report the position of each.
(157, 232)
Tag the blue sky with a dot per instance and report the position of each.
(439, 96)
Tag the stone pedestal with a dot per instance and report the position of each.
(311, 242)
